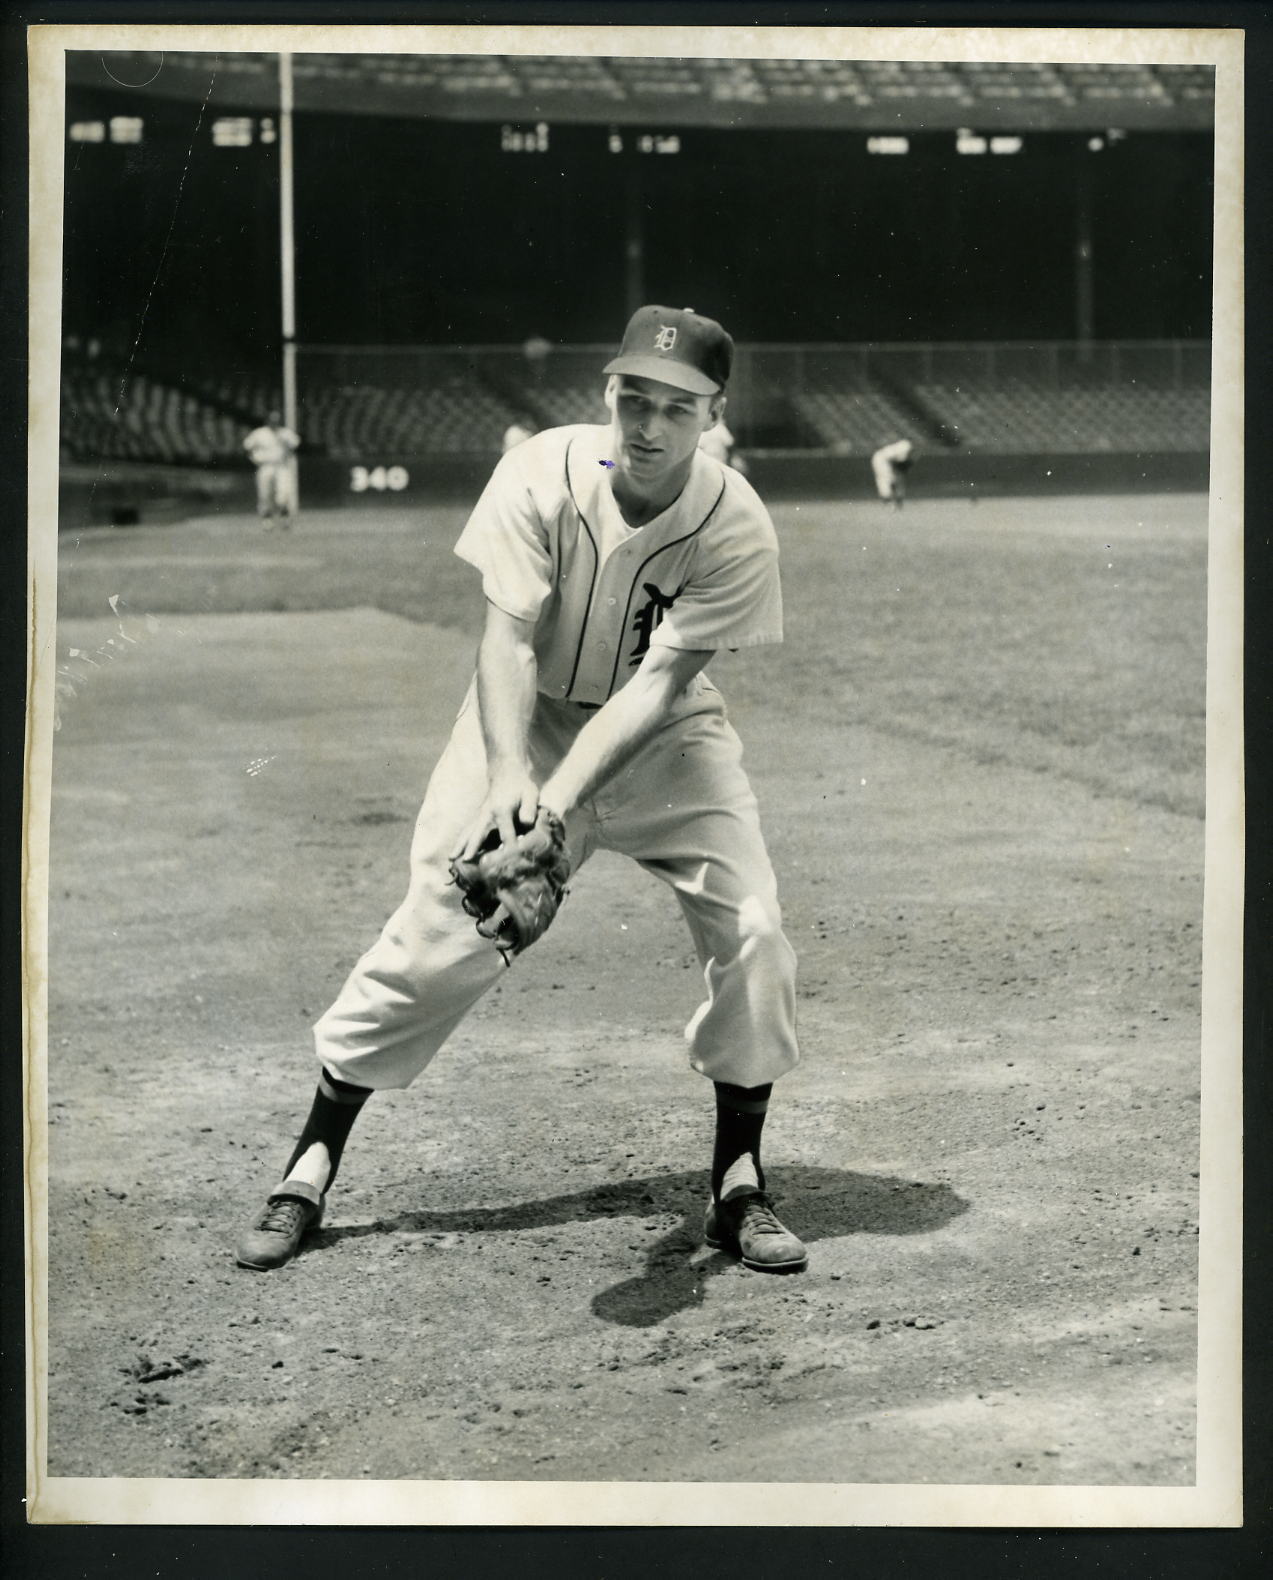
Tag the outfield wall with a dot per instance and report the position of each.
(950, 474)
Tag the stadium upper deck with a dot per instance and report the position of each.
(902, 95)
(413, 403)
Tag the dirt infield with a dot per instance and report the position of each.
(979, 757)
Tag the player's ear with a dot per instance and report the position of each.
(612, 389)
(716, 409)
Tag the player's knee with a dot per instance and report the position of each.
(759, 918)
(760, 932)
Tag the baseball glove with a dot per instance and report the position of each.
(514, 891)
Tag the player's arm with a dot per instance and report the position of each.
(619, 729)
(507, 680)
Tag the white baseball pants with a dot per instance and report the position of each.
(884, 477)
(274, 487)
(683, 809)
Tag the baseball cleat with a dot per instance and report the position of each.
(289, 1214)
(747, 1227)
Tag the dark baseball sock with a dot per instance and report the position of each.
(740, 1117)
(336, 1105)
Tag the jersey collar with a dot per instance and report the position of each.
(590, 485)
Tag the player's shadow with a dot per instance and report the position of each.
(819, 1203)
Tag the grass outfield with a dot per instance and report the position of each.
(1064, 636)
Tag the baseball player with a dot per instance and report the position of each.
(270, 449)
(615, 559)
(890, 463)
(518, 431)
(719, 443)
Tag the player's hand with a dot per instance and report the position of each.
(512, 801)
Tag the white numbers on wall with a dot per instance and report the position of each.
(378, 478)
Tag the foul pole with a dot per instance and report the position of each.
(287, 256)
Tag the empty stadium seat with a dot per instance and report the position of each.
(1009, 399)
(855, 422)
(1023, 418)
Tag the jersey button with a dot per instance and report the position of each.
(612, 602)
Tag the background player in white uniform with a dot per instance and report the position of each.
(890, 463)
(719, 443)
(614, 559)
(518, 431)
(270, 449)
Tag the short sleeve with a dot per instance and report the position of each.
(506, 539)
(736, 603)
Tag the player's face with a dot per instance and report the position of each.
(657, 427)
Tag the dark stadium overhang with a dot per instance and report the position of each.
(657, 93)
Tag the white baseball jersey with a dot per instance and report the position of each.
(553, 547)
(888, 454)
(268, 446)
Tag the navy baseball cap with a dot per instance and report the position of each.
(676, 346)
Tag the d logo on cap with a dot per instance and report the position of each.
(677, 346)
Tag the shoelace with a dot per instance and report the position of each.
(757, 1214)
(283, 1216)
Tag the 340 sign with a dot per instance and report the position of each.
(378, 479)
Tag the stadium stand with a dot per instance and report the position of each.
(109, 412)
(1117, 83)
(563, 396)
(1009, 400)
(1022, 418)
(107, 415)
(993, 82)
(821, 91)
(348, 422)
(855, 422)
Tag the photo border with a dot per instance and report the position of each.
(100, 1499)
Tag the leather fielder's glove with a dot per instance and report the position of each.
(514, 891)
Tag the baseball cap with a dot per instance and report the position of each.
(675, 346)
